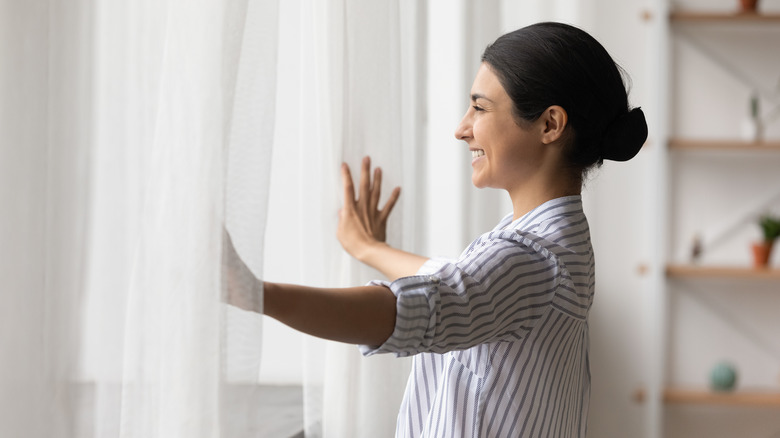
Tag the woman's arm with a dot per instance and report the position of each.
(392, 262)
(357, 315)
(362, 225)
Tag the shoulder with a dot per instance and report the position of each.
(515, 242)
(502, 257)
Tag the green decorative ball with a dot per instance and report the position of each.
(723, 377)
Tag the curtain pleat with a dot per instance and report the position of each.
(133, 135)
(357, 96)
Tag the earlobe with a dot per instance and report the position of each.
(556, 119)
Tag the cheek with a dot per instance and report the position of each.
(483, 132)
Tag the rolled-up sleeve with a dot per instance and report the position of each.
(417, 301)
(495, 292)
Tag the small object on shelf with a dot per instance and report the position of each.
(748, 6)
(752, 128)
(723, 377)
(696, 249)
(762, 251)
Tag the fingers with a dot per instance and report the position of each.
(369, 191)
(365, 184)
(376, 190)
(349, 188)
(390, 204)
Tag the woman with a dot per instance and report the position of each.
(500, 336)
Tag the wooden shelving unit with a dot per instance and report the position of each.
(722, 17)
(702, 396)
(682, 144)
(699, 30)
(694, 271)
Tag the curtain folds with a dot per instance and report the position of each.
(141, 131)
(133, 135)
(360, 93)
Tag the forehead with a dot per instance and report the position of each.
(486, 84)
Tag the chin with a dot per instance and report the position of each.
(477, 183)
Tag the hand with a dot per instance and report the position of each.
(361, 223)
(242, 288)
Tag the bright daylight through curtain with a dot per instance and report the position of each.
(357, 89)
(133, 134)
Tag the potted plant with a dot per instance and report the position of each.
(770, 227)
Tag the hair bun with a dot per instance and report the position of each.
(625, 136)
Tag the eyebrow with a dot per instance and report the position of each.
(476, 96)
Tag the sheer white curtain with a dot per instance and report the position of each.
(132, 133)
(357, 87)
(378, 70)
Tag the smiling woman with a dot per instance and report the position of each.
(500, 336)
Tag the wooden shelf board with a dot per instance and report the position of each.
(724, 145)
(702, 396)
(736, 398)
(694, 271)
(720, 17)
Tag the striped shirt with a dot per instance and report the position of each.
(500, 336)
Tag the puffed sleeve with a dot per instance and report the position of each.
(496, 291)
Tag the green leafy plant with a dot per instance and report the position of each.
(770, 225)
(754, 106)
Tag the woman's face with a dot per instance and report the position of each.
(504, 154)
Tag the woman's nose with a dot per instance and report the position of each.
(463, 130)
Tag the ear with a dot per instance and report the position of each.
(555, 120)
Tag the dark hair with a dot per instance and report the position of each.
(549, 64)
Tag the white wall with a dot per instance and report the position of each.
(614, 203)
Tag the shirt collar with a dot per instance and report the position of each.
(555, 207)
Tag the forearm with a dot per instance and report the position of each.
(393, 263)
(358, 315)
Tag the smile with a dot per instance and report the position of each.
(477, 153)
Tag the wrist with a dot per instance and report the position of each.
(270, 304)
(371, 251)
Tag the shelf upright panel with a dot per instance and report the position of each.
(658, 211)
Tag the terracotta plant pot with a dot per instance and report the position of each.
(748, 5)
(762, 251)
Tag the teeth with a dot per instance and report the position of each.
(478, 153)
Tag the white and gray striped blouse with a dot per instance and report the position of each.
(500, 336)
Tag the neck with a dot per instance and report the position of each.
(530, 196)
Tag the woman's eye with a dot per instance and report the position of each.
(477, 108)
